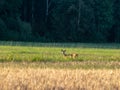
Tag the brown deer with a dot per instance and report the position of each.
(72, 55)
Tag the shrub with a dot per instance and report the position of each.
(25, 31)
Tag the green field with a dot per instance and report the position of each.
(49, 55)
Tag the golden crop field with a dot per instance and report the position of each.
(42, 66)
(58, 79)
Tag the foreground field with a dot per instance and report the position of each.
(41, 66)
(58, 79)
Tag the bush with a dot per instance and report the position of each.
(25, 31)
(3, 29)
(117, 39)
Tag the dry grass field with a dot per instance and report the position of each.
(58, 79)
(42, 66)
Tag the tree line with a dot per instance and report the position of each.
(60, 20)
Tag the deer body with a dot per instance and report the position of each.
(72, 55)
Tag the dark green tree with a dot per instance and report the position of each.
(102, 15)
(116, 27)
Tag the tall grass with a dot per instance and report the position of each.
(41, 66)
(62, 79)
(75, 45)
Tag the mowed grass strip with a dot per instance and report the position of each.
(58, 79)
(64, 65)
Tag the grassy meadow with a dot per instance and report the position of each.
(49, 55)
(42, 66)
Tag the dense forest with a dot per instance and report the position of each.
(95, 21)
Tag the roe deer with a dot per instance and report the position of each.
(72, 55)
